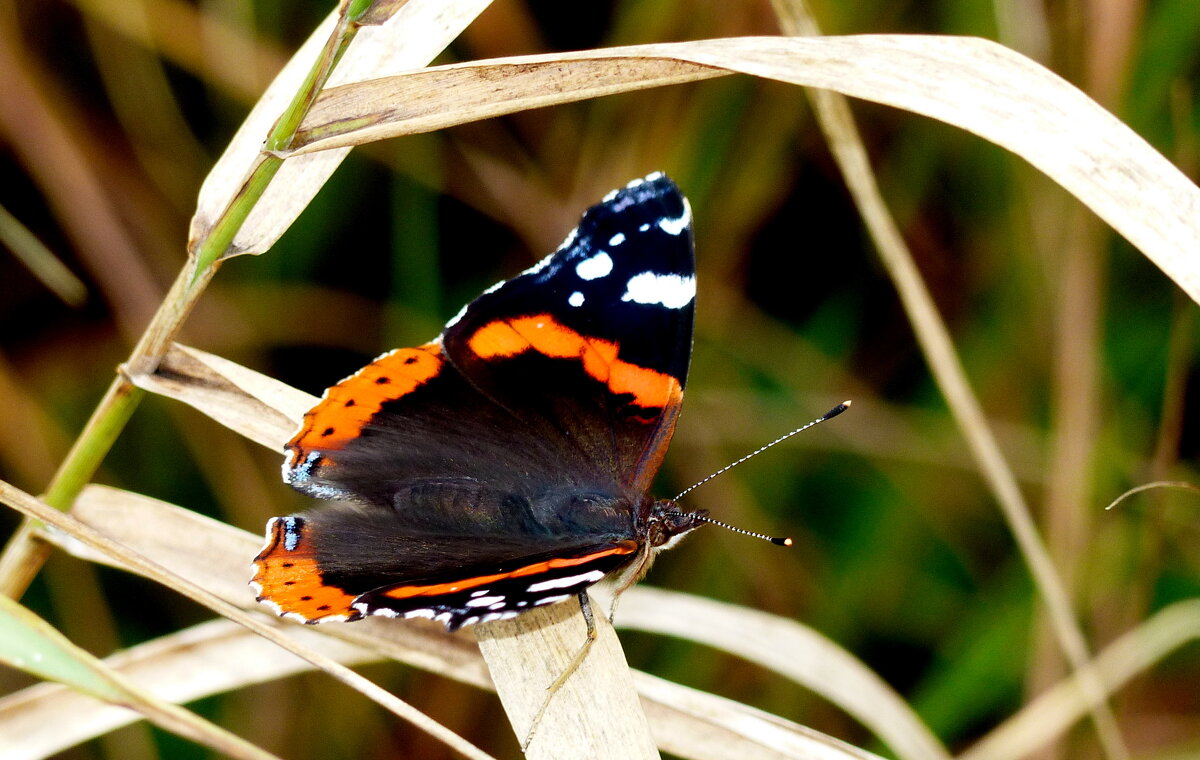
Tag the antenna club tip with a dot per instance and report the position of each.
(781, 541)
(847, 403)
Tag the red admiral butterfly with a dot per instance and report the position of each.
(505, 465)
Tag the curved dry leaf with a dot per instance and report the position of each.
(258, 407)
(971, 83)
(837, 122)
(790, 649)
(410, 39)
(728, 729)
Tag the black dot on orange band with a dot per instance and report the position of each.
(289, 583)
(411, 360)
(323, 607)
(350, 402)
(289, 564)
(306, 598)
(382, 380)
(327, 432)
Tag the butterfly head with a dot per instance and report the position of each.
(665, 524)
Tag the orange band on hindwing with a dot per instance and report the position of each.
(288, 578)
(405, 592)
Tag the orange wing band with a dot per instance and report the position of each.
(547, 336)
(404, 592)
(348, 406)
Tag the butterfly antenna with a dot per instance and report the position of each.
(705, 518)
(826, 416)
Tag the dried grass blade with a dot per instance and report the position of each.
(123, 556)
(33, 645)
(410, 39)
(837, 122)
(731, 729)
(1056, 710)
(792, 650)
(971, 83)
(595, 714)
(219, 656)
(258, 407)
(211, 554)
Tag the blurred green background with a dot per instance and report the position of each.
(1082, 353)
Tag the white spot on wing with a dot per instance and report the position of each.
(617, 239)
(576, 299)
(485, 601)
(328, 619)
(673, 291)
(590, 576)
(595, 267)
(550, 600)
(678, 225)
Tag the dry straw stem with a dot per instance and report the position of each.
(415, 34)
(123, 556)
(837, 122)
(31, 644)
(213, 555)
(971, 83)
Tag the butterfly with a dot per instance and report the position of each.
(506, 464)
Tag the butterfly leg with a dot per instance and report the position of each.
(585, 606)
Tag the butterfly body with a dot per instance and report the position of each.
(505, 465)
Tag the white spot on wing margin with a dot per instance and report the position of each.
(674, 291)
